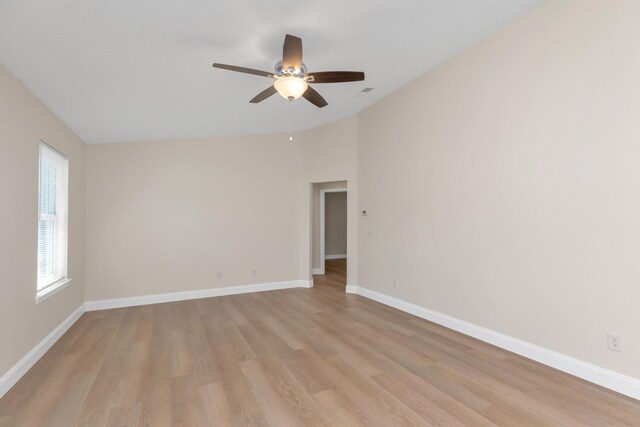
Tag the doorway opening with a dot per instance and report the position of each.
(333, 225)
(329, 234)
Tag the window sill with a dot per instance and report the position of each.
(52, 289)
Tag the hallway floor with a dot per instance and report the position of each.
(335, 275)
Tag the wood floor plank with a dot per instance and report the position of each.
(309, 369)
(275, 410)
(342, 413)
(295, 357)
(44, 399)
(216, 404)
(382, 407)
(513, 401)
(187, 409)
(237, 390)
(124, 416)
(429, 411)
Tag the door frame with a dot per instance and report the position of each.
(322, 214)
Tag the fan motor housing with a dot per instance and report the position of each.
(281, 71)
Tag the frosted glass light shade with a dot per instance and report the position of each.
(290, 87)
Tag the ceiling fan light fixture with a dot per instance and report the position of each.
(291, 77)
(291, 87)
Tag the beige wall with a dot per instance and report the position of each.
(315, 217)
(503, 188)
(24, 120)
(167, 216)
(330, 154)
(335, 223)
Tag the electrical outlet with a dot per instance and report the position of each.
(254, 272)
(219, 274)
(394, 283)
(372, 234)
(614, 342)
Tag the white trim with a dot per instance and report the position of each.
(612, 380)
(337, 256)
(188, 295)
(317, 271)
(14, 374)
(323, 192)
(52, 289)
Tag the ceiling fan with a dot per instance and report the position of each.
(291, 76)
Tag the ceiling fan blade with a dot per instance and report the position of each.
(336, 76)
(244, 70)
(292, 52)
(263, 95)
(314, 97)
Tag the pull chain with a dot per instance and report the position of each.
(290, 119)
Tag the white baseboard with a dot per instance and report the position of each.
(317, 271)
(338, 256)
(203, 293)
(612, 380)
(14, 374)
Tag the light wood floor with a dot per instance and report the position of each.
(295, 357)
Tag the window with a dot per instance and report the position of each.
(52, 222)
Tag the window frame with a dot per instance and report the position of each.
(52, 283)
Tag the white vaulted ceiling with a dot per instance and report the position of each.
(122, 70)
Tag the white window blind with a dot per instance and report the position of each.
(52, 218)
